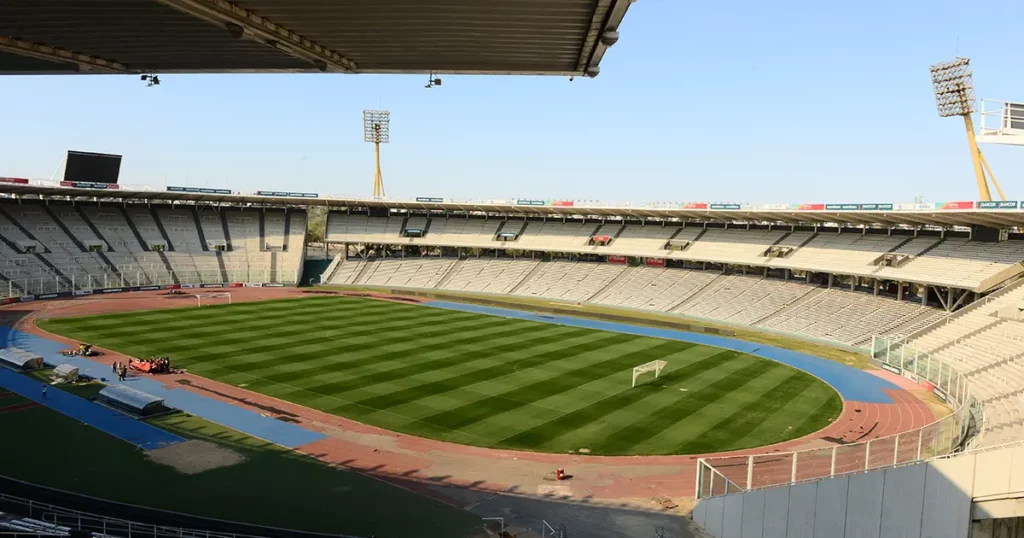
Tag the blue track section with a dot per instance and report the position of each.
(238, 418)
(851, 383)
(102, 418)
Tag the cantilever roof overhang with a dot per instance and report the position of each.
(516, 37)
(998, 218)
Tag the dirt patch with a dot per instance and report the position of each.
(194, 457)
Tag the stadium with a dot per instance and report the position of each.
(193, 361)
(521, 323)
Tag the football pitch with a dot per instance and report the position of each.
(478, 379)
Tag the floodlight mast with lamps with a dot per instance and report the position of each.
(376, 129)
(953, 84)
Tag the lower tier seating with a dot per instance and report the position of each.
(839, 315)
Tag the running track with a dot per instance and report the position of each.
(426, 465)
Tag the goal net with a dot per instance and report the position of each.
(653, 366)
(211, 298)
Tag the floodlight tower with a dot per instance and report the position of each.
(953, 84)
(376, 130)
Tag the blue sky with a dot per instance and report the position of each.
(799, 101)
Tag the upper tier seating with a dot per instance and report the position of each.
(955, 262)
(731, 246)
(960, 263)
(843, 253)
(463, 232)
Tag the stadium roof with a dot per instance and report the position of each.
(545, 37)
(897, 215)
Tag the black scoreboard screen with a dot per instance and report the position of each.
(82, 166)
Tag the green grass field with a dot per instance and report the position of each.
(273, 486)
(477, 379)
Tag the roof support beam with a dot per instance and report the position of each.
(248, 25)
(85, 63)
(990, 220)
(603, 33)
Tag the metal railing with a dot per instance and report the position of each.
(42, 285)
(63, 515)
(106, 526)
(732, 474)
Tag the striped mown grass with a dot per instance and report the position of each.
(477, 379)
(273, 486)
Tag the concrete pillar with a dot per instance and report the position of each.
(876, 286)
(830, 278)
(899, 291)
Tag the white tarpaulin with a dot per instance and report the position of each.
(66, 372)
(19, 359)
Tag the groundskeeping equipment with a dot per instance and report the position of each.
(653, 366)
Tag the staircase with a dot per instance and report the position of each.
(781, 239)
(929, 249)
(287, 230)
(362, 272)
(94, 229)
(10, 244)
(710, 286)
(227, 233)
(223, 267)
(456, 267)
(57, 272)
(263, 232)
(674, 234)
(799, 300)
(199, 230)
(614, 282)
(900, 245)
(135, 231)
(500, 226)
(53, 268)
(103, 257)
(170, 270)
(785, 311)
(163, 232)
(60, 223)
(527, 278)
(808, 240)
(23, 229)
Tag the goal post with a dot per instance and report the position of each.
(653, 366)
(209, 297)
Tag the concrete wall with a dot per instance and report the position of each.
(929, 499)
